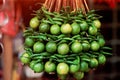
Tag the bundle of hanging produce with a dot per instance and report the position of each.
(64, 38)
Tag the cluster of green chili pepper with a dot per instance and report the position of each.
(65, 37)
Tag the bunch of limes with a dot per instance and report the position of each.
(64, 43)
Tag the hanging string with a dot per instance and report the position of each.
(75, 5)
(86, 5)
(58, 5)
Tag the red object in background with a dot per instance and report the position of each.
(3, 18)
(111, 3)
(13, 14)
(9, 28)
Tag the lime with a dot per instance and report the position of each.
(29, 42)
(62, 68)
(55, 29)
(74, 68)
(51, 47)
(38, 67)
(97, 23)
(66, 28)
(63, 48)
(78, 75)
(101, 59)
(25, 58)
(32, 63)
(34, 22)
(83, 26)
(75, 28)
(84, 66)
(85, 45)
(76, 47)
(101, 42)
(50, 67)
(92, 30)
(38, 47)
(93, 63)
(44, 28)
(95, 46)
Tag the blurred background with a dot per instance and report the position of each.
(109, 9)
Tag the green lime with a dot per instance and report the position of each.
(83, 26)
(66, 28)
(62, 68)
(97, 23)
(76, 47)
(101, 42)
(38, 47)
(44, 28)
(75, 28)
(78, 75)
(32, 63)
(50, 66)
(101, 59)
(93, 63)
(29, 42)
(38, 67)
(74, 68)
(84, 66)
(95, 46)
(85, 45)
(51, 47)
(63, 48)
(25, 58)
(55, 29)
(92, 30)
(34, 22)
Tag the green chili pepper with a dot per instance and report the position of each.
(85, 59)
(50, 19)
(68, 39)
(78, 58)
(70, 58)
(79, 21)
(53, 57)
(105, 53)
(46, 21)
(46, 12)
(60, 56)
(58, 22)
(44, 54)
(38, 57)
(59, 60)
(90, 12)
(39, 37)
(27, 34)
(61, 36)
(62, 41)
(76, 36)
(106, 48)
(57, 19)
(69, 62)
